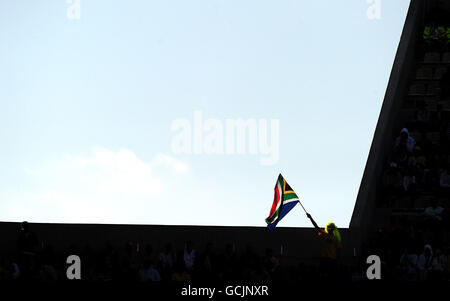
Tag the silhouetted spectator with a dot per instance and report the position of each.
(148, 272)
(47, 267)
(331, 245)
(27, 245)
(129, 262)
(437, 270)
(249, 259)
(257, 274)
(89, 263)
(189, 255)
(167, 261)
(207, 264)
(270, 261)
(9, 269)
(180, 272)
(28, 242)
(228, 264)
(408, 264)
(425, 263)
(406, 140)
(107, 263)
(399, 156)
(148, 254)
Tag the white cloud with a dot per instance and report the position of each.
(119, 173)
(171, 163)
(102, 186)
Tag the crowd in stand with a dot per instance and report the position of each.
(415, 244)
(36, 260)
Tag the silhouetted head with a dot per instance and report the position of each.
(25, 226)
(331, 229)
(404, 134)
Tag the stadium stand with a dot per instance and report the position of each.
(411, 217)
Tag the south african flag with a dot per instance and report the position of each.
(283, 201)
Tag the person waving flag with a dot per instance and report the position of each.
(283, 201)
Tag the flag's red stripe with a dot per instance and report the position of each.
(276, 200)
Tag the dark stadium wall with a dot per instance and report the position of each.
(299, 244)
(362, 221)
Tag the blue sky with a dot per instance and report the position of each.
(88, 105)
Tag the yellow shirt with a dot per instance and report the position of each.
(330, 245)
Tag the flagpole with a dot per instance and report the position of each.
(302, 206)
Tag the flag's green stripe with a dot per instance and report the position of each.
(289, 196)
